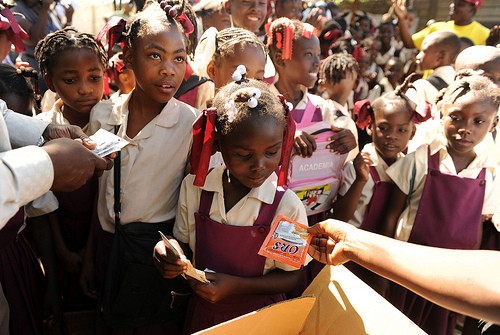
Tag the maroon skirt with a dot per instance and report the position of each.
(23, 284)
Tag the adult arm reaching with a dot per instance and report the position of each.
(28, 172)
(460, 280)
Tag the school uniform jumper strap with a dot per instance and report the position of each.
(308, 116)
(375, 211)
(449, 212)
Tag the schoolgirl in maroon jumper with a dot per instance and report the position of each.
(364, 195)
(223, 218)
(73, 67)
(295, 51)
(445, 188)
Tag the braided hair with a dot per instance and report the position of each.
(48, 49)
(154, 19)
(268, 104)
(230, 40)
(335, 67)
(279, 32)
(397, 98)
(14, 82)
(471, 82)
(182, 6)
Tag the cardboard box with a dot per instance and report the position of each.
(343, 305)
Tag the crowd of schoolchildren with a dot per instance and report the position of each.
(237, 112)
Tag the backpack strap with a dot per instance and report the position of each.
(437, 82)
(267, 211)
(188, 85)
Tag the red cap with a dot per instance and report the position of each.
(477, 3)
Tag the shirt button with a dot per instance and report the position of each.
(262, 230)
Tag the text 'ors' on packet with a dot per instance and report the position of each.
(287, 242)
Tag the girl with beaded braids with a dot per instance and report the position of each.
(446, 188)
(73, 67)
(224, 216)
(138, 197)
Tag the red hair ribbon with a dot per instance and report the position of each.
(423, 112)
(357, 53)
(288, 140)
(288, 30)
(113, 30)
(186, 23)
(333, 35)
(203, 145)
(309, 31)
(15, 32)
(363, 111)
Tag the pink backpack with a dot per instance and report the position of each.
(316, 179)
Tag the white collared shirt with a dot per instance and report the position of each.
(152, 165)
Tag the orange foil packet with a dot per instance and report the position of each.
(287, 242)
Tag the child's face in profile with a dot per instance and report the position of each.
(247, 14)
(391, 131)
(253, 151)
(251, 56)
(467, 121)
(77, 79)
(304, 66)
(429, 56)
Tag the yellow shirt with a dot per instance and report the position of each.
(474, 31)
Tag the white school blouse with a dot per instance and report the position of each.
(153, 164)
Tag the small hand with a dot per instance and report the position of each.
(362, 164)
(169, 265)
(343, 141)
(494, 37)
(87, 279)
(316, 19)
(220, 287)
(305, 144)
(399, 9)
(72, 261)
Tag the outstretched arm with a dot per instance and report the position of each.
(400, 11)
(460, 280)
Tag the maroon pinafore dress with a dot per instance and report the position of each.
(21, 277)
(373, 221)
(448, 216)
(375, 211)
(75, 215)
(232, 250)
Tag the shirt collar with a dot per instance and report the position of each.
(168, 117)
(376, 158)
(447, 73)
(265, 193)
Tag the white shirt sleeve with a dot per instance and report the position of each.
(23, 130)
(26, 174)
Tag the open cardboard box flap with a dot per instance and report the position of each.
(344, 305)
